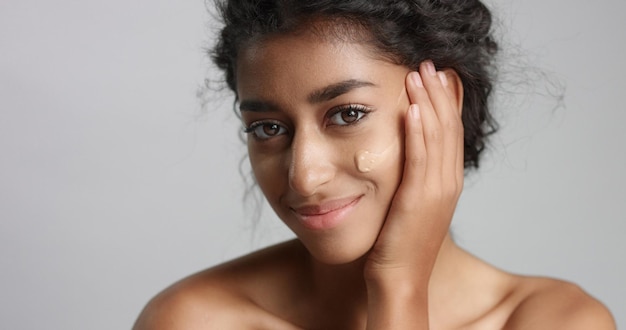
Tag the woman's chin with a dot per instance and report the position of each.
(333, 252)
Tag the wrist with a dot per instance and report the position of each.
(397, 288)
(405, 278)
(397, 305)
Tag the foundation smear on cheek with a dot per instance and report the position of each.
(366, 161)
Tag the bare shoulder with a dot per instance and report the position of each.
(182, 307)
(553, 304)
(222, 297)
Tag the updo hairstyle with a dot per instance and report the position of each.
(454, 34)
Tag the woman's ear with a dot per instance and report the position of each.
(455, 87)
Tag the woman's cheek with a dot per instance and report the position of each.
(383, 149)
(267, 170)
(379, 156)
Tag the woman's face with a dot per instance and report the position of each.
(326, 141)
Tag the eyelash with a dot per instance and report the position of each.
(360, 110)
(255, 126)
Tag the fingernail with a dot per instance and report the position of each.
(417, 79)
(443, 78)
(430, 68)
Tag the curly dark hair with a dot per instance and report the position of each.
(454, 34)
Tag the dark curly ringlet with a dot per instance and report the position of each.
(453, 34)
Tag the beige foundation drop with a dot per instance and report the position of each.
(366, 161)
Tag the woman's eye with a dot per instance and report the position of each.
(348, 115)
(264, 131)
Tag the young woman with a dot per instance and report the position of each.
(362, 117)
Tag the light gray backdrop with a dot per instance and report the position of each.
(114, 183)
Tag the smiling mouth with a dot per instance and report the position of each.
(326, 207)
(326, 215)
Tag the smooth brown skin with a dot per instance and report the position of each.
(389, 263)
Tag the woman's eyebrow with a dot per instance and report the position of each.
(256, 106)
(334, 90)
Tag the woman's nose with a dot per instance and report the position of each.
(310, 165)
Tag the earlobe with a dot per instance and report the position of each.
(455, 87)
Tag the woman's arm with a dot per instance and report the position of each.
(399, 266)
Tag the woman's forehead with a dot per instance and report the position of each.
(308, 63)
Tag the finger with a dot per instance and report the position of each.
(456, 100)
(437, 85)
(415, 156)
(433, 135)
(455, 96)
(459, 167)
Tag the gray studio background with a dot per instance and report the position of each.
(114, 182)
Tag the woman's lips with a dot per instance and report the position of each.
(325, 215)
